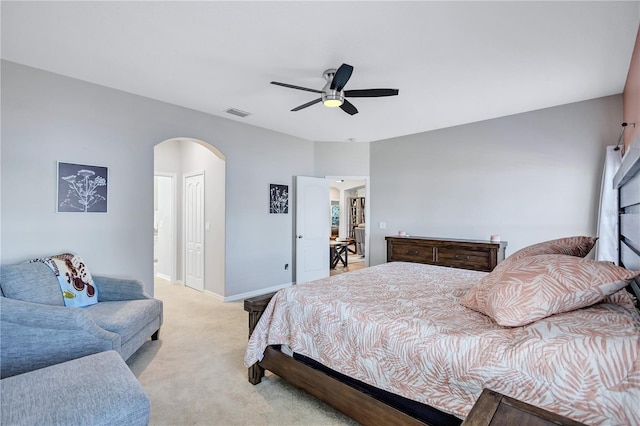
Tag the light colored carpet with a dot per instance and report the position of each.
(194, 374)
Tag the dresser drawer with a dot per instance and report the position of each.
(408, 252)
(464, 257)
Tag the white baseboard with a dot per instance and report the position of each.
(253, 293)
(214, 295)
(163, 276)
(242, 296)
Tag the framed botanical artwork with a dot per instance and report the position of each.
(82, 188)
(278, 198)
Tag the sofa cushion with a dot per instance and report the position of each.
(94, 390)
(125, 318)
(31, 282)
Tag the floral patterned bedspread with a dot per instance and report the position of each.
(400, 327)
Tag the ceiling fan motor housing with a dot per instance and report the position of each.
(331, 98)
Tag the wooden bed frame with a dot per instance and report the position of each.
(362, 407)
(367, 409)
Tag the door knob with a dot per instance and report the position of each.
(299, 236)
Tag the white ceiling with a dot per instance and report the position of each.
(454, 62)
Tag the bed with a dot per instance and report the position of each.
(406, 343)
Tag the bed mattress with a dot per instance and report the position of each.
(400, 327)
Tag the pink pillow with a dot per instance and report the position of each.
(536, 287)
(572, 246)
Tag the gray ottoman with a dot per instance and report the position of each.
(97, 389)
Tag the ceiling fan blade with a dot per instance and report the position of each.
(341, 77)
(348, 108)
(308, 104)
(370, 93)
(291, 86)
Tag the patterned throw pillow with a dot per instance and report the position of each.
(573, 246)
(76, 284)
(535, 287)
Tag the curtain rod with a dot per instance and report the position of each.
(624, 125)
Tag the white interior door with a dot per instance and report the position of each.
(313, 228)
(194, 230)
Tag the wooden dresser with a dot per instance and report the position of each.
(465, 254)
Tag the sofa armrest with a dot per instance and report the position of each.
(36, 336)
(114, 289)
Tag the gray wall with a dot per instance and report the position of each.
(528, 177)
(341, 159)
(48, 117)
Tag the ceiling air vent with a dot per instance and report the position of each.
(238, 112)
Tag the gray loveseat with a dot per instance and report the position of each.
(37, 330)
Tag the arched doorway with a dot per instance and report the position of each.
(196, 248)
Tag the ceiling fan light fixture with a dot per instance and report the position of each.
(332, 100)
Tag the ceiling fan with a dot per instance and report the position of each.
(333, 95)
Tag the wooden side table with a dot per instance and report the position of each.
(495, 409)
(338, 253)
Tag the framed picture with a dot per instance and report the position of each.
(278, 198)
(82, 188)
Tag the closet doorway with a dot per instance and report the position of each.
(194, 229)
(164, 226)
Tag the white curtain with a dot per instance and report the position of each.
(607, 248)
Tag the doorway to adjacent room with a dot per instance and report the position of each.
(316, 256)
(349, 213)
(190, 213)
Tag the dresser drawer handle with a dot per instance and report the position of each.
(458, 257)
(413, 252)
